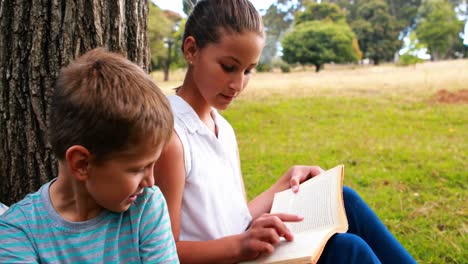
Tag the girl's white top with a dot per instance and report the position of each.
(213, 204)
(3, 208)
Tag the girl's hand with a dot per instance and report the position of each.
(264, 233)
(298, 174)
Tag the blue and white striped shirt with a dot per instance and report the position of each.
(31, 231)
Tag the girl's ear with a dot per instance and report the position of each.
(190, 49)
(78, 159)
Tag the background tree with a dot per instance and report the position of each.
(457, 2)
(320, 35)
(409, 55)
(169, 42)
(377, 31)
(163, 27)
(178, 60)
(293, 6)
(438, 27)
(313, 11)
(37, 39)
(159, 27)
(319, 42)
(278, 18)
(276, 21)
(404, 11)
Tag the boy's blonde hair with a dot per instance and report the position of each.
(107, 104)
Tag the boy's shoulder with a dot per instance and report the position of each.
(29, 207)
(150, 207)
(150, 196)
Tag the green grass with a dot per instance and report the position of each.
(408, 160)
(405, 156)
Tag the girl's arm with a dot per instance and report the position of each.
(169, 176)
(261, 236)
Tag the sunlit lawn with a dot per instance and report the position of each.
(406, 155)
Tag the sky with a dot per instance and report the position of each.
(176, 5)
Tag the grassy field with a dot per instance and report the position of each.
(404, 153)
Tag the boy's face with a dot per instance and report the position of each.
(116, 183)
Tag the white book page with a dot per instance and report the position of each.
(300, 248)
(317, 200)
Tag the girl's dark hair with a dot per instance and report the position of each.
(209, 19)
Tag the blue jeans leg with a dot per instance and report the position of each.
(347, 249)
(364, 223)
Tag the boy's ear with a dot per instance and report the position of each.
(78, 159)
(190, 49)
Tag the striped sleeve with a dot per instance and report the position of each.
(15, 246)
(156, 240)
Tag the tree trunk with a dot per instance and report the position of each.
(376, 61)
(318, 67)
(38, 37)
(167, 65)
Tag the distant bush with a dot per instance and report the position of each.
(264, 67)
(281, 64)
(276, 63)
(408, 59)
(285, 68)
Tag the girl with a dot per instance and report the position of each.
(199, 171)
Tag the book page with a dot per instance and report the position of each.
(318, 200)
(300, 249)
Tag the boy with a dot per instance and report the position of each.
(108, 125)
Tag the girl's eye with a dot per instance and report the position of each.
(247, 72)
(138, 170)
(227, 68)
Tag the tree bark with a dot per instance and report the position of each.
(38, 37)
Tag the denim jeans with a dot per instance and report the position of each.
(367, 239)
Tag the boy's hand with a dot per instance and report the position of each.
(264, 233)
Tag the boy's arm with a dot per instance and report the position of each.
(15, 246)
(156, 240)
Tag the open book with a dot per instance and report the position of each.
(320, 201)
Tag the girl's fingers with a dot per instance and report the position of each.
(316, 170)
(294, 183)
(262, 246)
(300, 174)
(289, 217)
(276, 222)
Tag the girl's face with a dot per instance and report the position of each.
(222, 70)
